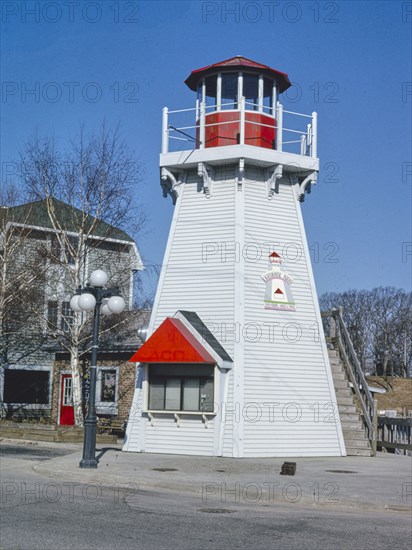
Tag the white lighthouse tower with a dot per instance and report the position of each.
(236, 364)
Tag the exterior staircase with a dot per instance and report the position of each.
(354, 434)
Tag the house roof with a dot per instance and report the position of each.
(205, 334)
(36, 214)
(238, 63)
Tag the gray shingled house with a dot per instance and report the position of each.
(45, 247)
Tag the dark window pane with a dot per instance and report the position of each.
(229, 90)
(251, 91)
(190, 370)
(157, 394)
(191, 394)
(26, 386)
(211, 84)
(70, 249)
(52, 315)
(66, 321)
(172, 399)
(267, 96)
(55, 249)
(206, 395)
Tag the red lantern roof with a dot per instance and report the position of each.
(239, 62)
(274, 255)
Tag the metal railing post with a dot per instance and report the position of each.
(242, 121)
(197, 111)
(165, 131)
(314, 134)
(202, 130)
(279, 119)
(303, 145)
(309, 137)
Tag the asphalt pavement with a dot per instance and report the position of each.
(383, 483)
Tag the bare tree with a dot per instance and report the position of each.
(391, 339)
(357, 317)
(379, 322)
(86, 195)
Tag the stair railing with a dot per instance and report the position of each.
(339, 337)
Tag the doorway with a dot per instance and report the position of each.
(66, 400)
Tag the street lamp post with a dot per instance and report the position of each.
(106, 301)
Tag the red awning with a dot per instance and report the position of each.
(172, 342)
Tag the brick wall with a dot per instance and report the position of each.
(126, 381)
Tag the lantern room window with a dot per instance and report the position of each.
(229, 91)
(222, 92)
(251, 91)
(211, 89)
(268, 96)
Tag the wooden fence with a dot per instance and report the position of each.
(394, 434)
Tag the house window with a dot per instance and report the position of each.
(181, 388)
(66, 319)
(55, 249)
(70, 250)
(63, 249)
(24, 386)
(108, 386)
(52, 315)
(68, 391)
(59, 316)
(107, 390)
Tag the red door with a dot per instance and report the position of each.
(66, 400)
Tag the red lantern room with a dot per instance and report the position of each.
(231, 90)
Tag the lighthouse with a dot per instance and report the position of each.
(235, 363)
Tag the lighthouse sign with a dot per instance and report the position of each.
(278, 294)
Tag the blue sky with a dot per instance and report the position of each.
(124, 61)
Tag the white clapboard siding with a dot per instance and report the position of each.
(134, 440)
(285, 364)
(190, 281)
(228, 420)
(191, 438)
(280, 398)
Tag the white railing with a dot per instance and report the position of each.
(299, 141)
